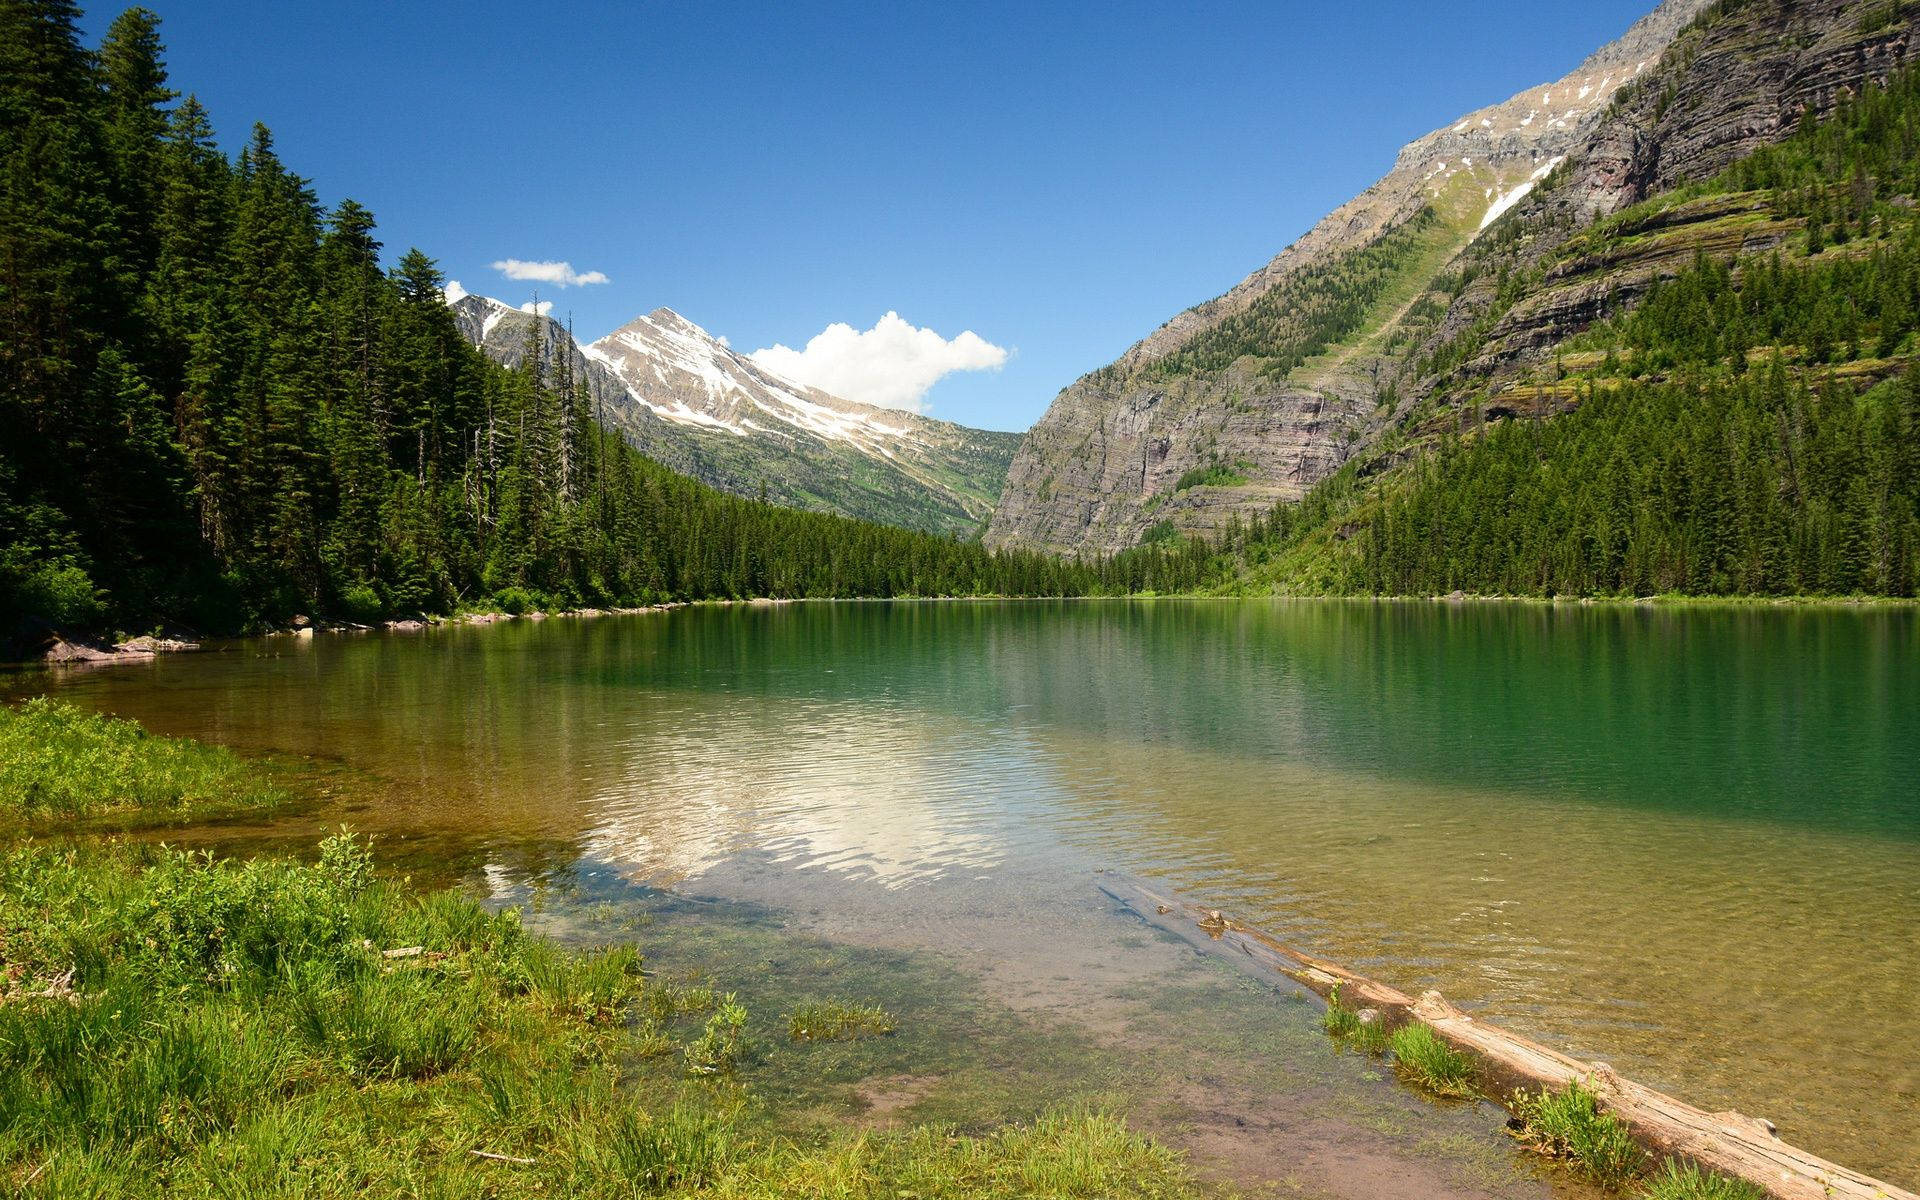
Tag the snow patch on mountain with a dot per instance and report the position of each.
(1507, 200)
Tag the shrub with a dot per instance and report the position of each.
(59, 593)
(361, 603)
(515, 600)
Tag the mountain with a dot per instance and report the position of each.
(1686, 363)
(1680, 353)
(1252, 398)
(686, 399)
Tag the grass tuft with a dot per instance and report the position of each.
(1422, 1058)
(831, 1021)
(1686, 1181)
(1569, 1125)
(717, 1050)
(1363, 1033)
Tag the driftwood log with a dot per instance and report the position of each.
(1728, 1142)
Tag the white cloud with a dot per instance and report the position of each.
(454, 292)
(538, 307)
(559, 274)
(891, 365)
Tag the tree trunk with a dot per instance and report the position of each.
(1728, 1142)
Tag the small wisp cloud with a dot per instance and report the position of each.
(559, 274)
(892, 365)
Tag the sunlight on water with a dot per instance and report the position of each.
(1684, 841)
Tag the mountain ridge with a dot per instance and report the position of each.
(685, 398)
(1110, 460)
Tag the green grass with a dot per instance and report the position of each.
(1569, 1125)
(1422, 1058)
(175, 1024)
(1346, 1026)
(831, 1021)
(1685, 1181)
(62, 765)
(721, 1044)
(1216, 474)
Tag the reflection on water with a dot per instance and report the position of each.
(1685, 840)
(873, 791)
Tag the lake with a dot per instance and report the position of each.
(1685, 840)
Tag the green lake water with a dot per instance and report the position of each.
(1682, 840)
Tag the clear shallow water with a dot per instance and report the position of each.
(1686, 841)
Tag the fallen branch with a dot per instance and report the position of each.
(505, 1158)
(37, 1172)
(1728, 1142)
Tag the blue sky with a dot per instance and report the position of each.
(1056, 178)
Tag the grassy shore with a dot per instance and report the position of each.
(175, 1024)
(64, 769)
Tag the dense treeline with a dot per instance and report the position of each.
(1842, 172)
(217, 407)
(1834, 310)
(1734, 476)
(1755, 485)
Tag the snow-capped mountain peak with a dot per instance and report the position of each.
(686, 374)
(684, 397)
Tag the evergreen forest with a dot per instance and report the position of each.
(219, 407)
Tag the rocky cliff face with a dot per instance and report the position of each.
(1128, 448)
(685, 399)
(1739, 81)
(1739, 78)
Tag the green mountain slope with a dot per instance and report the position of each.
(1707, 391)
(1292, 372)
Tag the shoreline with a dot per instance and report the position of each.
(80, 651)
(1222, 934)
(1729, 1143)
(407, 1017)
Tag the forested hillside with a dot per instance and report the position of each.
(218, 408)
(1747, 422)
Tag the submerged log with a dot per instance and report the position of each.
(1728, 1142)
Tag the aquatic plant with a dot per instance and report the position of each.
(717, 1049)
(832, 1021)
(1422, 1058)
(1686, 1181)
(1361, 1032)
(1571, 1126)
